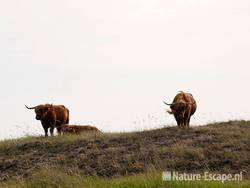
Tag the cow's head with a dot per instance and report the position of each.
(178, 108)
(40, 110)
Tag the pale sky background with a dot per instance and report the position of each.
(113, 62)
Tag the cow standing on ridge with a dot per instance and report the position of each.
(182, 107)
(51, 116)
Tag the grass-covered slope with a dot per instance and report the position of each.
(152, 179)
(218, 147)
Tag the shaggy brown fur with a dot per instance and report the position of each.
(183, 107)
(51, 116)
(76, 129)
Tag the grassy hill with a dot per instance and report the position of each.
(219, 147)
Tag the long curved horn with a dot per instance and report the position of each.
(167, 103)
(178, 103)
(30, 108)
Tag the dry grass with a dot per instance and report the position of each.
(219, 147)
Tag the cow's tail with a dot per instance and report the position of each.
(67, 120)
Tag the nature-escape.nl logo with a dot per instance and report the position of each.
(206, 176)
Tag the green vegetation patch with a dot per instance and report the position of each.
(153, 179)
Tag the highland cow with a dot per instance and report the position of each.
(182, 107)
(51, 116)
(76, 129)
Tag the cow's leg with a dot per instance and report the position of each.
(188, 117)
(183, 124)
(51, 130)
(59, 129)
(46, 131)
(178, 121)
(188, 121)
(45, 128)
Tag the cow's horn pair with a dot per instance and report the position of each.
(177, 103)
(30, 108)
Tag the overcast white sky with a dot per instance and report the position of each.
(113, 62)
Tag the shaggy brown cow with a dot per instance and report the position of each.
(76, 129)
(51, 116)
(182, 107)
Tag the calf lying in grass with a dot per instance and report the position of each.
(76, 129)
